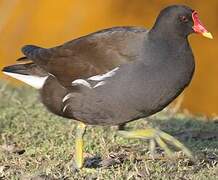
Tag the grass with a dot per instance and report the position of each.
(34, 144)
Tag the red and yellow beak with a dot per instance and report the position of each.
(198, 26)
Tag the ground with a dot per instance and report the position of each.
(35, 144)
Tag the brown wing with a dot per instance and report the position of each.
(87, 56)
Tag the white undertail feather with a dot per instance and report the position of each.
(34, 81)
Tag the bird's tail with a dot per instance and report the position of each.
(39, 55)
(29, 73)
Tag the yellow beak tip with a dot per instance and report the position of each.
(208, 35)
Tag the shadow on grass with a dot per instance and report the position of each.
(198, 133)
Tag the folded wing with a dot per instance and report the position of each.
(94, 54)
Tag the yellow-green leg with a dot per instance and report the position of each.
(81, 128)
(159, 137)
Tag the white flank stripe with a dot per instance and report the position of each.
(65, 107)
(68, 96)
(100, 84)
(103, 76)
(82, 82)
(34, 81)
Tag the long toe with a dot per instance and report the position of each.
(173, 141)
(164, 146)
(159, 137)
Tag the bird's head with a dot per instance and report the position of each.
(180, 20)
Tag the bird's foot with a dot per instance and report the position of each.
(159, 137)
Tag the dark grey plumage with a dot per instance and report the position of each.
(153, 68)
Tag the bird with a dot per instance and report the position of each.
(116, 75)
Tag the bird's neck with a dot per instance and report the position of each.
(167, 40)
(166, 34)
(165, 49)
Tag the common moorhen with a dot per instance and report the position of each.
(116, 75)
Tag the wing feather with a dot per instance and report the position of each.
(90, 55)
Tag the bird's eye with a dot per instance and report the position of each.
(184, 19)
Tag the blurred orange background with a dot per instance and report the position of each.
(50, 22)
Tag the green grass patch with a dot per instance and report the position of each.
(37, 144)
